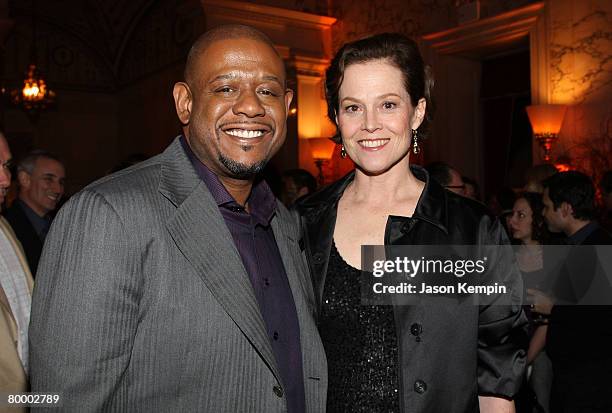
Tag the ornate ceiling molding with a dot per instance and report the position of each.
(301, 33)
(497, 30)
(503, 31)
(257, 13)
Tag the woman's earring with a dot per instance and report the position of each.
(415, 142)
(342, 151)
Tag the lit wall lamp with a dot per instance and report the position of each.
(322, 150)
(546, 121)
(34, 96)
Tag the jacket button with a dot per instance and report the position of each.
(420, 386)
(318, 257)
(278, 391)
(416, 329)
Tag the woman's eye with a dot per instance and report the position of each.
(389, 105)
(351, 108)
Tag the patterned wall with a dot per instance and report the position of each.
(581, 77)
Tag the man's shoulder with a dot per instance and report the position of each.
(16, 216)
(139, 178)
(599, 236)
(126, 192)
(14, 211)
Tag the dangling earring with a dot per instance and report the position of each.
(342, 152)
(415, 142)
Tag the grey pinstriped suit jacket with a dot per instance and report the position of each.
(142, 304)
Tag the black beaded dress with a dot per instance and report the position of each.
(361, 345)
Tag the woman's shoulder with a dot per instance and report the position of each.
(458, 204)
(327, 195)
(468, 216)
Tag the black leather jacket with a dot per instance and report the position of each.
(462, 351)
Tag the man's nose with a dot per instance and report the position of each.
(248, 104)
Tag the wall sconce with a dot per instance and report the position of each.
(322, 150)
(546, 121)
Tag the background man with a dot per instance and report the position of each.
(446, 176)
(41, 178)
(296, 184)
(605, 186)
(178, 284)
(15, 298)
(579, 336)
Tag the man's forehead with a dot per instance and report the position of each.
(43, 164)
(240, 51)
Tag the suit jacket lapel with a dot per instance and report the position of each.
(201, 235)
(302, 289)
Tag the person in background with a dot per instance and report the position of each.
(446, 176)
(527, 227)
(579, 335)
(535, 175)
(296, 184)
(15, 299)
(41, 177)
(401, 358)
(472, 189)
(605, 187)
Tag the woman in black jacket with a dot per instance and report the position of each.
(409, 358)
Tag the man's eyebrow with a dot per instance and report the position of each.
(272, 78)
(227, 76)
(230, 76)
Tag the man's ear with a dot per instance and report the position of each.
(288, 99)
(182, 101)
(566, 210)
(24, 179)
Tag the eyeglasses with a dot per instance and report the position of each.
(455, 186)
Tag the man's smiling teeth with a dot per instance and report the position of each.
(373, 143)
(242, 133)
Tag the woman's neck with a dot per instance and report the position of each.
(396, 184)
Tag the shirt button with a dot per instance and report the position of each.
(420, 386)
(416, 329)
(278, 391)
(275, 335)
(266, 282)
(318, 257)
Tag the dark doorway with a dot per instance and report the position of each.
(505, 92)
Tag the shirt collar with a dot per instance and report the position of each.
(262, 202)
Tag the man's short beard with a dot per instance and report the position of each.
(240, 170)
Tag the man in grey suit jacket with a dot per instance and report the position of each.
(177, 285)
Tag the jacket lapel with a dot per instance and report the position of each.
(288, 247)
(199, 231)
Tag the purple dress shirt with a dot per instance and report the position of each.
(255, 242)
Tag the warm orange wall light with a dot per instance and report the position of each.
(322, 150)
(546, 121)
